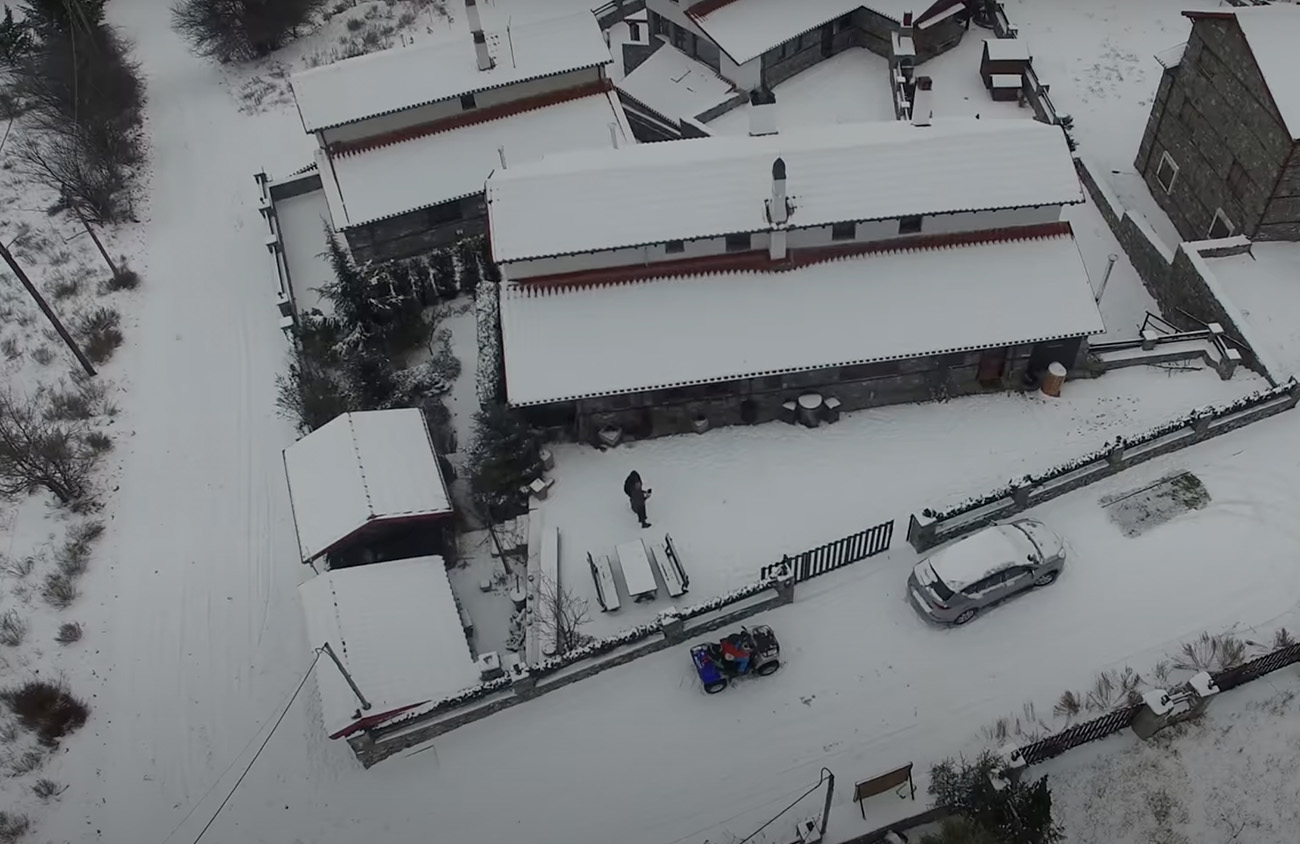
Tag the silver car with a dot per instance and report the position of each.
(985, 568)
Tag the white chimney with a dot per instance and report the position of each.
(613, 134)
(501, 154)
(762, 112)
(922, 102)
(778, 211)
(484, 59)
(776, 245)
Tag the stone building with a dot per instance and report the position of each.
(1220, 149)
(873, 263)
(406, 136)
(761, 43)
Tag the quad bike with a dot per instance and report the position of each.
(716, 671)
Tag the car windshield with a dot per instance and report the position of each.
(940, 588)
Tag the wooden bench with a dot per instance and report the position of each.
(879, 785)
(603, 575)
(670, 567)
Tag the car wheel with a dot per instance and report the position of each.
(966, 615)
(768, 668)
(714, 688)
(1046, 579)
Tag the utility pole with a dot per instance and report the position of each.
(45, 308)
(98, 245)
(830, 792)
(365, 704)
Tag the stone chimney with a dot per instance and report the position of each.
(922, 102)
(778, 208)
(485, 61)
(762, 112)
(905, 31)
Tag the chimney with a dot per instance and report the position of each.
(776, 245)
(476, 31)
(762, 112)
(613, 134)
(922, 102)
(501, 154)
(905, 30)
(778, 208)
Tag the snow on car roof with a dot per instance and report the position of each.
(977, 556)
(397, 631)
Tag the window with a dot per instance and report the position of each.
(674, 247)
(844, 231)
(909, 225)
(679, 37)
(1238, 180)
(658, 24)
(1221, 226)
(467, 101)
(738, 242)
(1167, 172)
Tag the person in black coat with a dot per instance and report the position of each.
(636, 496)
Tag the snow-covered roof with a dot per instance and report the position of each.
(406, 77)
(1171, 58)
(380, 182)
(708, 187)
(570, 343)
(676, 85)
(977, 556)
(745, 29)
(360, 468)
(1007, 49)
(397, 631)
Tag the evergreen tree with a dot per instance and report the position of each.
(444, 273)
(15, 38)
(1015, 813)
(371, 385)
(357, 308)
(504, 457)
(467, 251)
(65, 16)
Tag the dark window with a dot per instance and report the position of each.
(679, 37)
(467, 101)
(940, 588)
(738, 242)
(1166, 172)
(1238, 180)
(447, 212)
(672, 247)
(909, 225)
(658, 24)
(1221, 226)
(844, 231)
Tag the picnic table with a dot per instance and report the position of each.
(638, 573)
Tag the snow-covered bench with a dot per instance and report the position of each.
(670, 567)
(603, 575)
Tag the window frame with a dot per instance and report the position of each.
(1219, 216)
(732, 242)
(913, 224)
(838, 231)
(1166, 158)
(468, 102)
(674, 247)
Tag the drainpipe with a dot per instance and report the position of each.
(1110, 265)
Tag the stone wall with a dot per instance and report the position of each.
(418, 232)
(1178, 280)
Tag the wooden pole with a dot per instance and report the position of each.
(45, 308)
(830, 792)
(365, 704)
(98, 245)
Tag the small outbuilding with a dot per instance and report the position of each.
(1003, 58)
(396, 632)
(367, 487)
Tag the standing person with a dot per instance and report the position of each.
(636, 496)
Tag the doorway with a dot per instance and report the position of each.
(993, 363)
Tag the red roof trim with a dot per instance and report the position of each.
(758, 260)
(371, 720)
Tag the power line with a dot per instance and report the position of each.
(778, 815)
(249, 766)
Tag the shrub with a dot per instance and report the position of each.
(239, 30)
(15, 38)
(47, 789)
(12, 629)
(101, 333)
(69, 632)
(309, 395)
(97, 442)
(355, 24)
(59, 590)
(504, 457)
(487, 316)
(20, 567)
(1017, 813)
(126, 279)
(468, 253)
(443, 269)
(43, 355)
(26, 763)
(39, 453)
(13, 826)
(73, 405)
(48, 709)
(65, 288)
(74, 556)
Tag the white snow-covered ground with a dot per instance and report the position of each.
(1263, 285)
(859, 78)
(958, 87)
(194, 635)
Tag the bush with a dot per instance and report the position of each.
(239, 30)
(26, 763)
(13, 826)
(1016, 813)
(309, 395)
(69, 632)
(73, 558)
(48, 709)
(40, 453)
(12, 629)
(46, 789)
(126, 279)
(487, 316)
(59, 590)
(468, 252)
(443, 269)
(101, 333)
(97, 442)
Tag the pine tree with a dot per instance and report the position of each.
(353, 296)
(15, 38)
(1015, 813)
(64, 15)
(467, 251)
(504, 458)
(371, 384)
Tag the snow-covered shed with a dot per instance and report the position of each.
(396, 630)
(366, 479)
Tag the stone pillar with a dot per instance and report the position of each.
(1154, 714)
(1201, 423)
(1204, 687)
(1115, 456)
(672, 626)
(785, 589)
(522, 681)
(1020, 493)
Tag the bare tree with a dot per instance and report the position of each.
(84, 179)
(238, 30)
(561, 616)
(37, 452)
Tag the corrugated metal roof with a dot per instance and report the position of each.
(707, 187)
(564, 344)
(406, 77)
(745, 29)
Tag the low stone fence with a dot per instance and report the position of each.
(674, 626)
(1180, 280)
(934, 527)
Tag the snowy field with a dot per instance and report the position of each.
(193, 634)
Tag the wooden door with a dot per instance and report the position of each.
(993, 362)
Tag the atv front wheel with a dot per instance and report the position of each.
(768, 668)
(714, 688)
